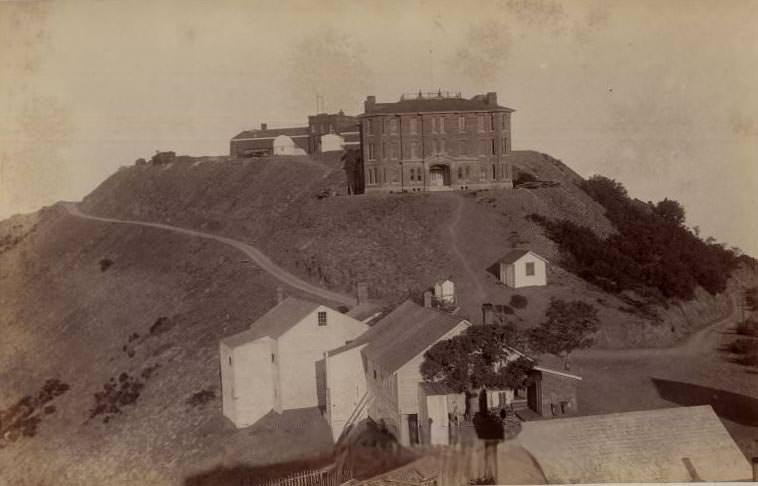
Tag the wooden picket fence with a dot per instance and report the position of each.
(335, 474)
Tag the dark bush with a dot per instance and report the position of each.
(163, 158)
(140, 161)
(105, 264)
(650, 251)
(518, 301)
(201, 398)
(522, 177)
(161, 325)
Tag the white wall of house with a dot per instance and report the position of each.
(517, 275)
(250, 387)
(445, 291)
(284, 145)
(331, 142)
(406, 399)
(305, 344)
(346, 387)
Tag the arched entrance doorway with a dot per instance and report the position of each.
(439, 175)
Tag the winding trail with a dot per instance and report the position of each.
(257, 256)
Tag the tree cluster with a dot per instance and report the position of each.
(653, 249)
(480, 357)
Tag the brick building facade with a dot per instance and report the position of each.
(435, 142)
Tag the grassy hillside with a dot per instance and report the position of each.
(126, 320)
(156, 315)
(398, 243)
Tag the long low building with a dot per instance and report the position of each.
(681, 444)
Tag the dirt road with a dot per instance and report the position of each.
(258, 257)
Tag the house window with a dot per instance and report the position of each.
(230, 360)
(384, 175)
(393, 125)
(461, 124)
(530, 269)
(442, 125)
(492, 146)
(395, 147)
(369, 126)
(468, 172)
(414, 150)
(375, 374)
(460, 172)
(481, 123)
(385, 153)
(273, 358)
(482, 173)
(322, 318)
(494, 173)
(442, 145)
(371, 152)
(413, 125)
(462, 148)
(492, 123)
(505, 144)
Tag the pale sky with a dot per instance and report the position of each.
(660, 95)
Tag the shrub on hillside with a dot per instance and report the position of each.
(522, 177)
(163, 158)
(200, 398)
(518, 301)
(140, 161)
(652, 249)
(105, 264)
(743, 346)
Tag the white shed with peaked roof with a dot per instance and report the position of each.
(278, 364)
(523, 268)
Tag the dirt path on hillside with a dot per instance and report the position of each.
(454, 231)
(258, 257)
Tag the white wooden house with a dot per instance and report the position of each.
(523, 268)
(444, 292)
(389, 356)
(278, 363)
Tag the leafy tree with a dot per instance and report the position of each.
(480, 357)
(670, 211)
(568, 326)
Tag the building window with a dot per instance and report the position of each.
(273, 358)
(322, 318)
(442, 125)
(372, 175)
(375, 374)
(369, 126)
(492, 148)
(442, 145)
(413, 125)
(414, 150)
(468, 172)
(494, 173)
(371, 152)
(462, 148)
(395, 147)
(384, 176)
(505, 144)
(530, 269)
(482, 173)
(460, 172)
(492, 123)
(481, 123)
(461, 124)
(412, 174)
(393, 125)
(230, 360)
(385, 154)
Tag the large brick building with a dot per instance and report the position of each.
(434, 142)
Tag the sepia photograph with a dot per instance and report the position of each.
(379, 243)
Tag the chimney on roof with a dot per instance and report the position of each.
(368, 105)
(279, 295)
(492, 98)
(428, 299)
(264, 126)
(362, 292)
